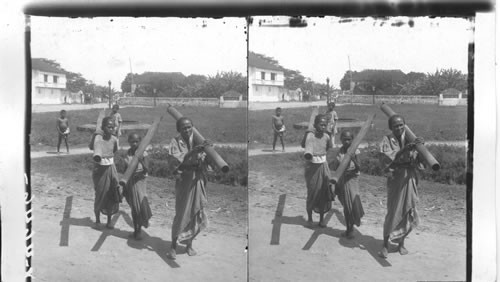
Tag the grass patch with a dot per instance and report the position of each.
(428, 121)
(216, 124)
(452, 160)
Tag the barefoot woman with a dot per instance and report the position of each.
(401, 160)
(190, 194)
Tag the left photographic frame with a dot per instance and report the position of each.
(114, 88)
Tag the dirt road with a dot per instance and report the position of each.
(67, 248)
(282, 248)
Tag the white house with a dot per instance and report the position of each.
(48, 84)
(265, 80)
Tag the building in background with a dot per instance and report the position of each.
(48, 84)
(265, 80)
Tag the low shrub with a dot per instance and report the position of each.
(451, 158)
(161, 165)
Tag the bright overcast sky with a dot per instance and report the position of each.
(321, 49)
(100, 48)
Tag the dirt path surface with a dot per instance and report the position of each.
(68, 248)
(283, 248)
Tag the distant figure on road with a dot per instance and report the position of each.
(191, 166)
(117, 120)
(400, 159)
(62, 130)
(279, 128)
(332, 118)
(317, 173)
(347, 187)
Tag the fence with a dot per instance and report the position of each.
(389, 99)
(151, 101)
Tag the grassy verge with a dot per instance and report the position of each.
(429, 121)
(218, 125)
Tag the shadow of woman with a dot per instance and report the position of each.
(363, 242)
(158, 245)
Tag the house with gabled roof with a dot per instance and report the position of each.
(266, 82)
(48, 83)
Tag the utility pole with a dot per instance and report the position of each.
(350, 81)
(109, 96)
(131, 77)
(327, 90)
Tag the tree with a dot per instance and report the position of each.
(126, 85)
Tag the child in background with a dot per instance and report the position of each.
(347, 187)
(317, 173)
(117, 120)
(135, 190)
(62, 130)
(331, 115)
(279, 129)
(104, 174)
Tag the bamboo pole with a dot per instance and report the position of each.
(352, 150)
(310, 128)
(199, 139)
(410, 136)
(132, 166)
(98, 129)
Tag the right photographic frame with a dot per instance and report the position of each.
(358, 143)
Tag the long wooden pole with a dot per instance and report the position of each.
(199, 139)
(352, 150)
(410, 136)
(98, 129)
(139, 152)
(310, 128)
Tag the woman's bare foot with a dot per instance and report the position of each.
(383, 253)
(190, 251)
(402, 250)
(347, 234)
(97, 226)
(172, 254)
(321, 224)
(109, 226)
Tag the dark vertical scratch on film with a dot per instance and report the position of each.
(27, 128)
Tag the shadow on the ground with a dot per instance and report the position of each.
(155, 244)
(364, 242)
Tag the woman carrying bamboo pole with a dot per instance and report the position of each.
(135, 188)
(347, 187)
(401, 160)
(190, 195)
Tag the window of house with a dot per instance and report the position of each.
(256, 88)
(269, 88)
(38, 90)
(51, 91)
(273, 76)
(45, 78)
(262, 75)
(55, 79)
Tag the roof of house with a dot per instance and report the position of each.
(39, 64)
(258, 62)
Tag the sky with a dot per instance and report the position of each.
(104, 49)
(324, 48)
